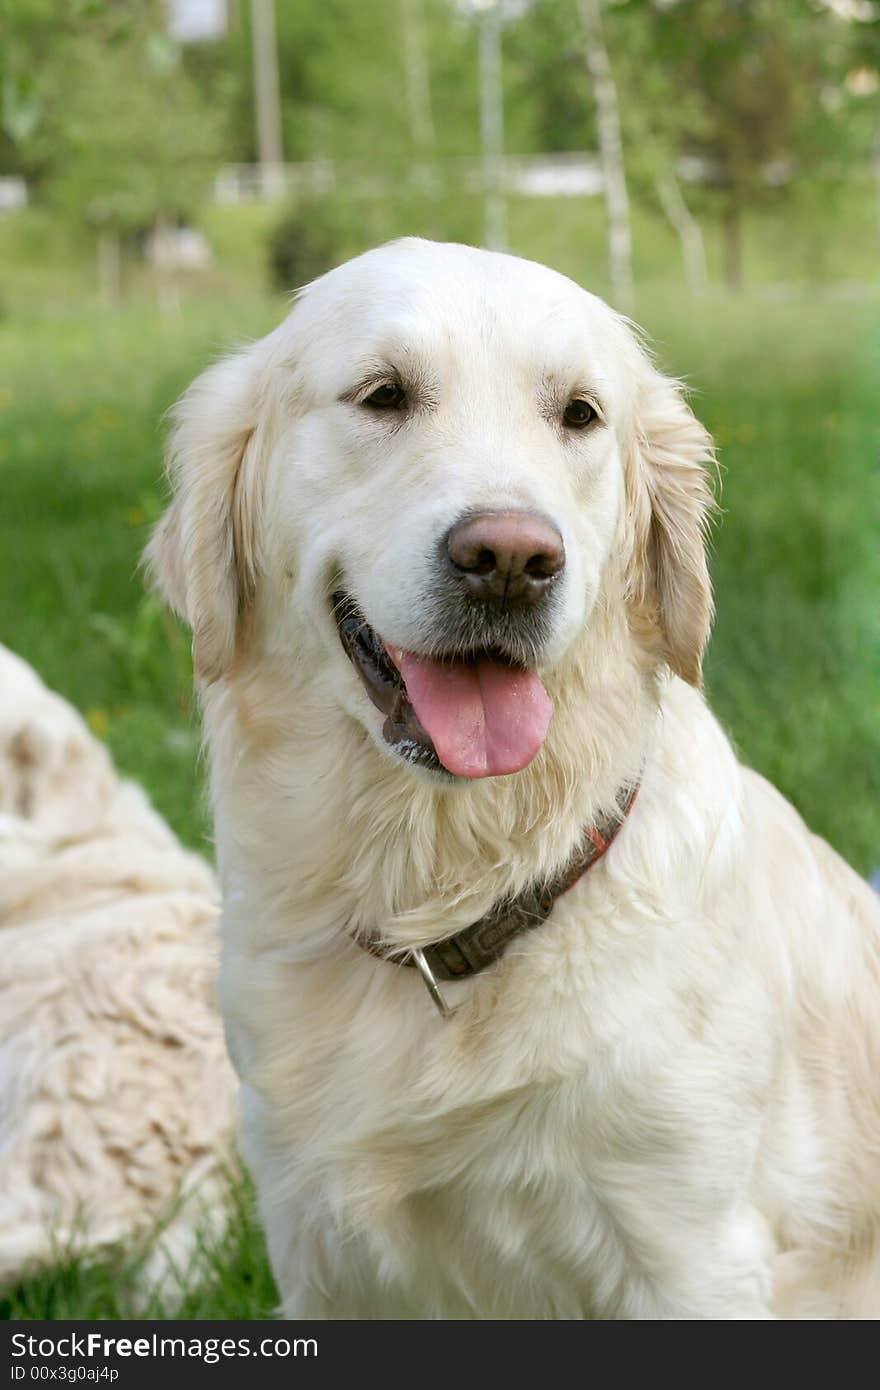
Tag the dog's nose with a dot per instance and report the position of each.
(506, 557)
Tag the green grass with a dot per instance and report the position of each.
(233, 1281)
(789, 390)
(788, 385)
(81, 406)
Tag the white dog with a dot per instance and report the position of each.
(440, 539)
(117, 1099)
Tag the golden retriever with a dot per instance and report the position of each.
(440, 540)
(117, 1100)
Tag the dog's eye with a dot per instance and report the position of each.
(578, 413)
(387, 397)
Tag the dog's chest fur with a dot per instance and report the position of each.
(499, 1169)
(535, 1155)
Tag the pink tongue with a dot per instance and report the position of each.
(484, 720)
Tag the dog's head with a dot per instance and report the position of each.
(429, 480)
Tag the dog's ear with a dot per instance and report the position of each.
(670, 504)
(203, 555)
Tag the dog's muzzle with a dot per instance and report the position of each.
(468, 699)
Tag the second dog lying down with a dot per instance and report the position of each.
(116, 1095)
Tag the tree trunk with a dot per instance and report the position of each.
(492, 128)
(875, 165)
(418, 89)
(732, 235)
(267, 101)
(611, 154)
(164, 280)
(109, 268)
(418, 96)
(680, 217)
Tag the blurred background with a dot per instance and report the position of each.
(170, 170)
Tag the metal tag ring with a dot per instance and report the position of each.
(431, 984)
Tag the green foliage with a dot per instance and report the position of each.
(346, 65)
(103, 114)
(753, 90)
(19, 108)
(119, 129)
(315, 234)
(307, 242)
(133, 139)
(546, 72)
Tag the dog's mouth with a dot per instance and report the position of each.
(478, 716)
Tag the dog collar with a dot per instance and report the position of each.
(474, 948)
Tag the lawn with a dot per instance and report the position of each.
(788, 384)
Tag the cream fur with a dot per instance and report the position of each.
(116, 1096)
(663, 1102)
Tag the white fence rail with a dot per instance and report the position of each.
(536, 176)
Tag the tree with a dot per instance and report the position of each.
(417, 76)
(745, 85)
(611, 154)
(135, 145)
(123, 139)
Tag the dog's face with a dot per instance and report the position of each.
(423, 479)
